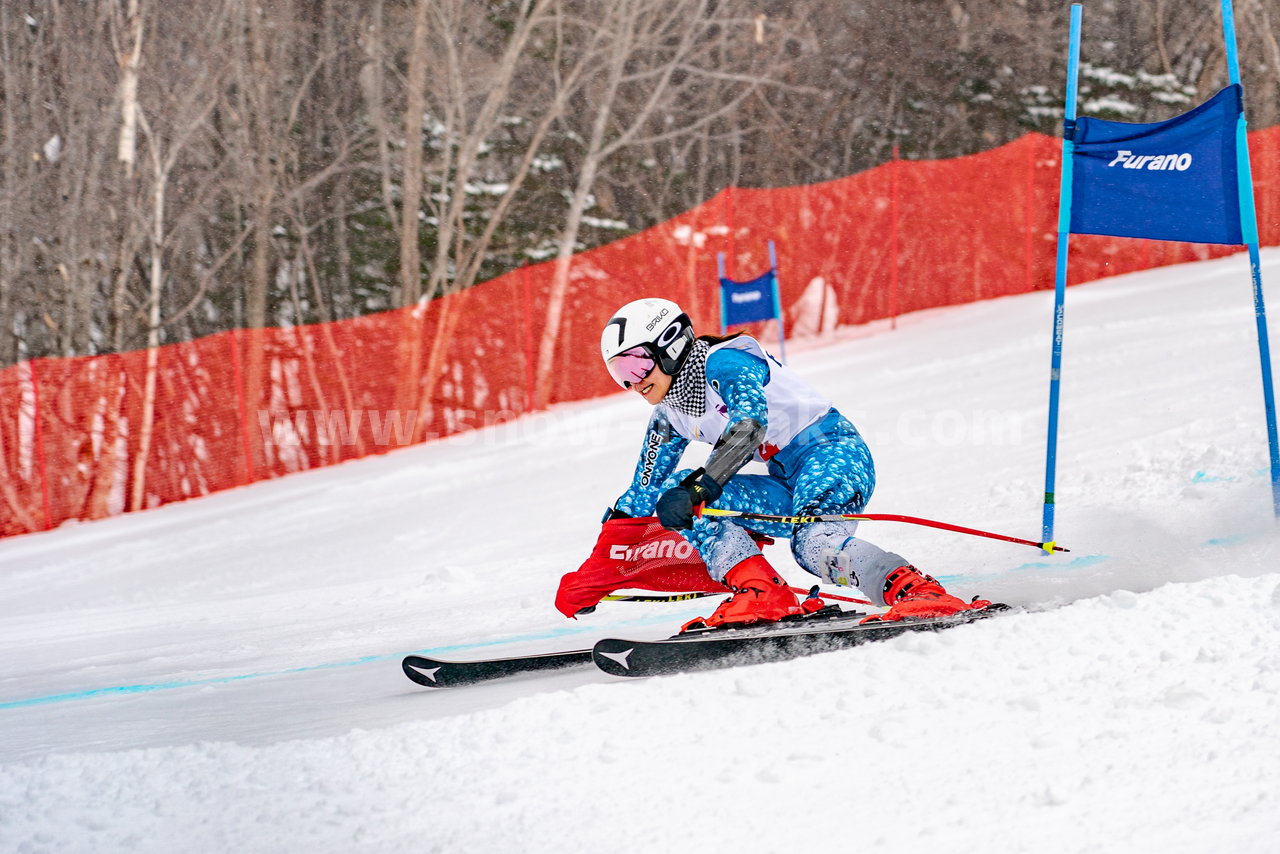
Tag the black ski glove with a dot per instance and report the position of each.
(675, 506)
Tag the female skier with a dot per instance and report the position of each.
(730, 393)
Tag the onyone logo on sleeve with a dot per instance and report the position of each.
(653, 442)
(1152, 162)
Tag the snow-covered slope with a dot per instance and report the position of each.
(223, 675)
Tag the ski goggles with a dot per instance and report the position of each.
(631, 366)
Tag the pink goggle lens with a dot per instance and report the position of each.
(630, 366)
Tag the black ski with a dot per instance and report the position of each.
(704, 649)
(438, 673)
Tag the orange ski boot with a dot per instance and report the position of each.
(910, 593)
(759, 596)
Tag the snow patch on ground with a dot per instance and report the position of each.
(1123, 722)
(223, 675)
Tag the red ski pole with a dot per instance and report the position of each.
(814, 591)
(1050, 546)
(684, 597)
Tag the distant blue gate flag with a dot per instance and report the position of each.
(749, 302)
(1170, 180)
(752, 301)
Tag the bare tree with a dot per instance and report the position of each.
(651, 59)
(415, 101)
(185, 113)
(469, 125)
(350, 137)
(126, 37)
(11, 168)
(1264, 77)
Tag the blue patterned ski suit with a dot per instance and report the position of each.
(826, 468)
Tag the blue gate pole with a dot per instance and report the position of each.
(777, 304)
(1249, 228)
(1060, 277)
(724, 306)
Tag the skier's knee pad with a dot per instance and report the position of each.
(830, 551)
(722, 545)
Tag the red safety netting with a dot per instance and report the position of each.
(246, 405)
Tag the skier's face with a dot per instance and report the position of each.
(654, 387)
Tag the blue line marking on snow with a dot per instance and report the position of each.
(149, 688)
(1204, 477)
(1079, 562)
(189, 683)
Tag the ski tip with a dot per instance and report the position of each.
(613, 656)
(422, 670)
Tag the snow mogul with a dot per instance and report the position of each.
(730, 393)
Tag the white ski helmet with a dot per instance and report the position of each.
(644, 333)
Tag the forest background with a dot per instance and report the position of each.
(172, 170)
